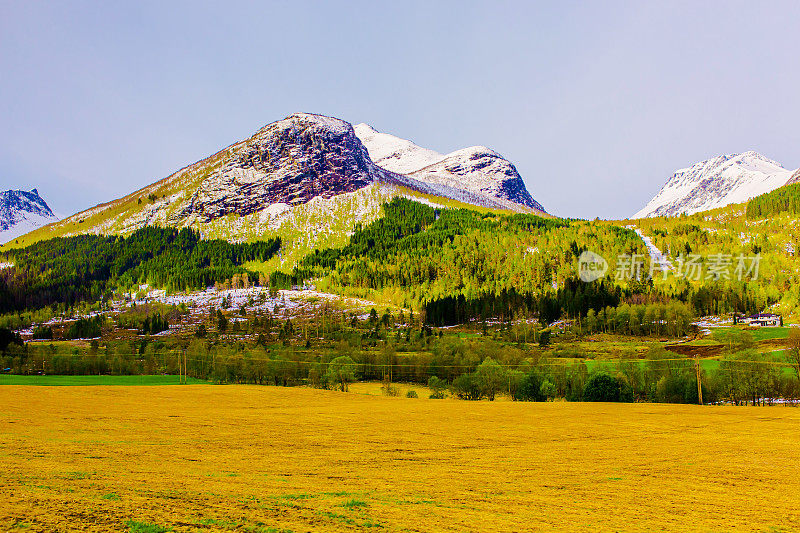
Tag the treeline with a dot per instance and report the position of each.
(150, 319)
(463, 369)
(574, 300)
(84, 328)
(672, 319)
(732, 296)
(452, 310)
(598, 300)
(783, 200)
(69, 270)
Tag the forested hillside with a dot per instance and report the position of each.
(90, 267)
(783, 200)
(416, 254)
(454, 264)
(765, 228)
(459, 265)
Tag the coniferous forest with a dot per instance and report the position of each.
(90, 267)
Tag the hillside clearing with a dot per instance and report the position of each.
(246, 458)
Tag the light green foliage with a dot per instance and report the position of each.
(491, 377)
(341, 372)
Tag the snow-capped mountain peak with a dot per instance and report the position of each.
(393, 153)
(476, 169)
(716, 182)
(22, 212)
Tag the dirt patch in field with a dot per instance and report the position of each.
(689, 350)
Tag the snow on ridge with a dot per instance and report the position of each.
(481, 174)
(393, 153)
(332, 124)
(716, 182)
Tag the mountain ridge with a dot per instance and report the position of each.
(716, 182)
(477, 169)
(21, 212)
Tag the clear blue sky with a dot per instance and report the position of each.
(596, 103)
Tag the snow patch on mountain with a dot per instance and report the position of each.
(22, 212)
(477, 170)
(393, 153)
(716, 182)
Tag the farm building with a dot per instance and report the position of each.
(763, 320)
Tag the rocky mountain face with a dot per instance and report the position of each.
(716, 183)
(21, 212)
(476, 169)
(290, 161)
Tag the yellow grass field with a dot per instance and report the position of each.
(265, 459)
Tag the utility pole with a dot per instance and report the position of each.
(699, 385)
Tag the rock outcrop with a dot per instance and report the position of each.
(290, 161)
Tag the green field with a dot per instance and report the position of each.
(67, 381)
(758, 334)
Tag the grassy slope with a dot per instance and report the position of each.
(110, 218)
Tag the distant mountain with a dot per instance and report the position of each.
(476, 169)
(308, 179)
(716, 183)
(22, 212)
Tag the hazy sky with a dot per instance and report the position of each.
(596, 103)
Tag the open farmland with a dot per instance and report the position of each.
(247, 458)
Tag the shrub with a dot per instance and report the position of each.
(390, 390)
(467, 387)
(412, 394)
(438, 388)
(341, 371)
(602, 387)
(530, 389)
(547, 390)
(490, 377)
(544, 339)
